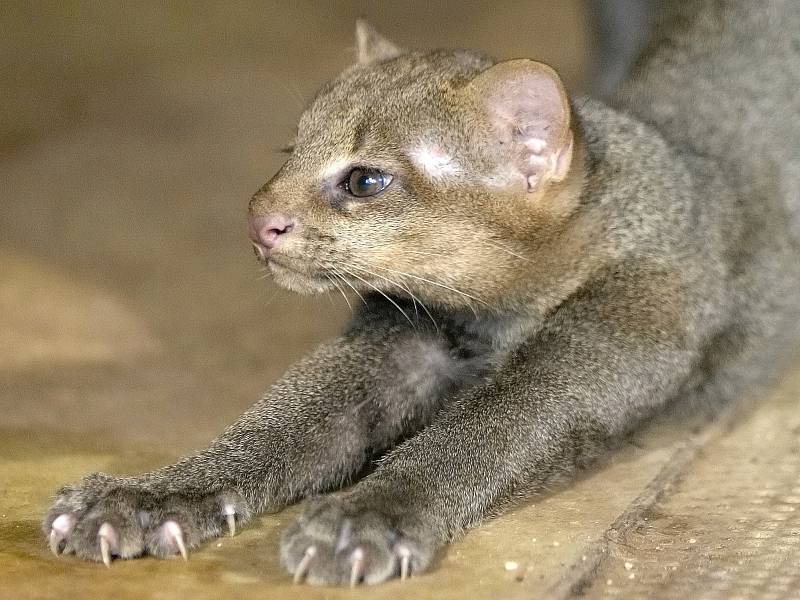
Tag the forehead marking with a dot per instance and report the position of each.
(434, 161)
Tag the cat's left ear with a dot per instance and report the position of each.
(528, 117)
(372, 46)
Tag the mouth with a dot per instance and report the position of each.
(295, 274)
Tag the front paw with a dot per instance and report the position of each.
(335, 542)
(105, 517)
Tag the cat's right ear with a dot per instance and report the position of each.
(529, 117)
(372, 47)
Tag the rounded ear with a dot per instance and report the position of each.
(372, 46)
(529, 118)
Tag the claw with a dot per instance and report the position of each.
(230, 517)
(405, 560)
(59, 530)
(173, 531)
(105, 552)
(108, 542)
(302, 568)
(55, 542)
(358, 567)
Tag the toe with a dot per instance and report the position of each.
(304, 564)
(108, 541)
(404, 553)
(59, 530)
(357, 568)
(171, 539)
(229, 510)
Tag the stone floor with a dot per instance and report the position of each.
(134, 324)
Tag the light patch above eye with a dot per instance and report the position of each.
(335, 166)
(434, 161)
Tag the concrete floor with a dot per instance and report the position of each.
(134, 324)
(729, 527)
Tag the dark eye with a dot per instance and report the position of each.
(366, 182)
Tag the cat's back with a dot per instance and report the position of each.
(722, 77)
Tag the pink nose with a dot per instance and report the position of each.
(266, 231)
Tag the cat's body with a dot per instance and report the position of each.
(537, 281)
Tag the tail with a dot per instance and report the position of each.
(723, 77)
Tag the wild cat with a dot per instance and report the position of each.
(537, 275)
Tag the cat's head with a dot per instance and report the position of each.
(437, 174)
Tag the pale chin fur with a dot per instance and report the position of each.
(298, 283)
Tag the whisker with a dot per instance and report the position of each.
(341, 291)
(271, 299)
(420, 253)
(405, 289)
(275, 292)
(396, 305)
(298, 95)
(493, 244)
(452, 289)
(328, 296)
(339, 275)
(499, 246)
(292, 89)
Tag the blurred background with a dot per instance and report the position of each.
(135, 323)
(131, 138)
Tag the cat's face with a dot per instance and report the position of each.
(400, 181)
